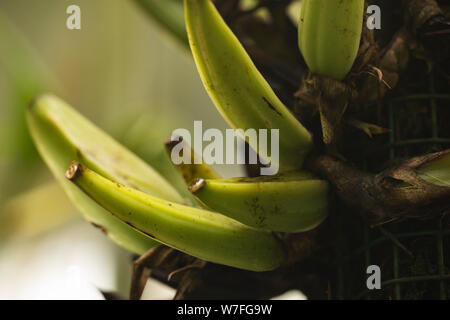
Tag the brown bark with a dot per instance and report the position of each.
(395, 193)
(418, 12)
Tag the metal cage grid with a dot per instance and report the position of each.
(439, 233)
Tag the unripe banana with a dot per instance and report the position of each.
(62, 135)
(200, 233)
(238, 90)
(294, 202)
(329, 33)
(190, 171)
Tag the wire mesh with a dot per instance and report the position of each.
(392, 285)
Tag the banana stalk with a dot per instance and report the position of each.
(236, 87)
(200, 233)
(329, 33)
(295, 202)
(62, 135)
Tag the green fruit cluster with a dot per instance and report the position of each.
(138, 209)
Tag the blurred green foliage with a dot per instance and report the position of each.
(27, 76)
(169, 14)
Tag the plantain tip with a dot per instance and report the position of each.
(74, 170)
(36, 100)
(32, 103)
(196, 185)
(171, 142)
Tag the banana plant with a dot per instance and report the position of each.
(237, 224)
(139, 209)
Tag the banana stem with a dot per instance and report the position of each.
(396, 193)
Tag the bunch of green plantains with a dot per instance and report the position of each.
(138, 209)
(250, 223)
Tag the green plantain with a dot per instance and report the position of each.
(237, 88)
(329, 33)
(200, 233)
(294, 202)
(62, 135)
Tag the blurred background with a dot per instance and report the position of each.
(126, 74)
